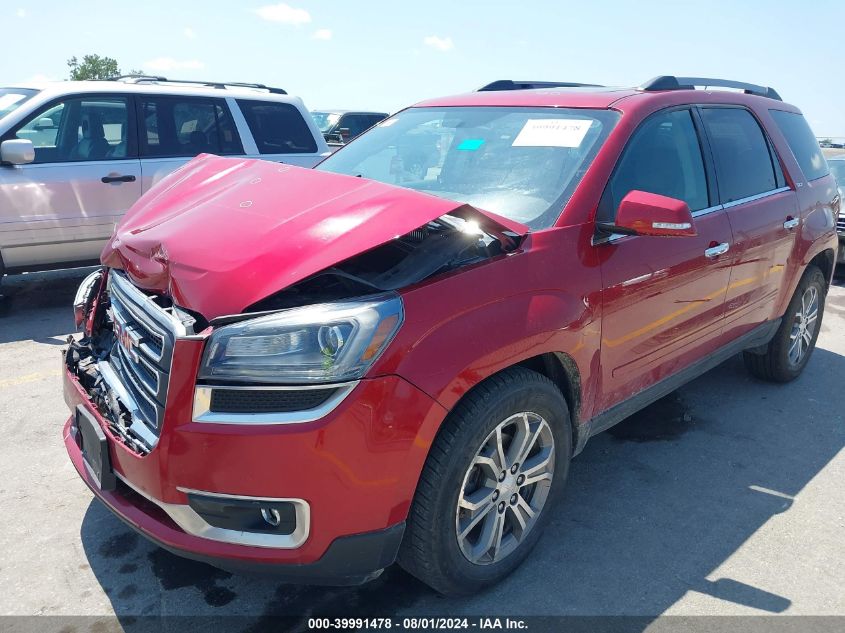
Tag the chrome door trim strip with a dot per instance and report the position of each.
(755, 197)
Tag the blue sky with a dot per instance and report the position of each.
(386, 55)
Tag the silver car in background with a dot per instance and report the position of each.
(837, 168)
(74, 156)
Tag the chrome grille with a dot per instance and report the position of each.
(840, 224)
(140, 359)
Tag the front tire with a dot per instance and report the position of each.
(790, 349)
(496, 467)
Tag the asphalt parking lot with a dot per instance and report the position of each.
(724, 498)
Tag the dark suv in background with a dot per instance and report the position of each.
(341, 126)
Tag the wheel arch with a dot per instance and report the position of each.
(826, 262)
(563, 371)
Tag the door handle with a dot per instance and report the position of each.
(108, 179)
(719, 249)
(791, 223)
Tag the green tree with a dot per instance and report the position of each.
(92, 67)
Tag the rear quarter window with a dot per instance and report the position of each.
(802, 142)
(278, 128)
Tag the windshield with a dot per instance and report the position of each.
(522, 163)
(325, 120)
(12, 98)
(837, 168)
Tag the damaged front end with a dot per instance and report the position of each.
(124, 357)
(327, 329)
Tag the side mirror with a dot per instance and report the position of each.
(17, 151)
(344, 133)
(643, 213)
(45, 123)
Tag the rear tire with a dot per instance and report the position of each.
(472, 522)
(790, 349)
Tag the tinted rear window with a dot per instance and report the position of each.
(278, 128)
(744, 164)
(803, 144)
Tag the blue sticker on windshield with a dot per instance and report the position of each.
(471, 144)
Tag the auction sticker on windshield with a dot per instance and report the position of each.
(552, 133)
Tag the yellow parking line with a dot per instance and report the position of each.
(28, 378)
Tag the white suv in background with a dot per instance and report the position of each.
(74, 156)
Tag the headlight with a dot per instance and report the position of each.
(331, 342)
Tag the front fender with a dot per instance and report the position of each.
(461, 329)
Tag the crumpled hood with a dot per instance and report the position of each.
(220, 234)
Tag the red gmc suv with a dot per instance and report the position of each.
(394, 356)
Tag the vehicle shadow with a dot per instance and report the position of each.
(37, 306)
(652, 509)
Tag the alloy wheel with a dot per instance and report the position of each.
(804, 326)
(505, 488)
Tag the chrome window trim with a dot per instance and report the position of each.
(202, 405)
(707, 211)
(192, 523)
(755, 197)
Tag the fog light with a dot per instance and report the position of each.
(271, 516)
(261, 516)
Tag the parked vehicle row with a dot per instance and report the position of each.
(75, 156)
(837, 168)
(395, 355)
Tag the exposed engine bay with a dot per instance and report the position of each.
(444, 244)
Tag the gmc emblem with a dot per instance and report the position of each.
(127, 341)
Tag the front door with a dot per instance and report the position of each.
(64, 206)
(663, 298)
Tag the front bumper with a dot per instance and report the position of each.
(356, 469)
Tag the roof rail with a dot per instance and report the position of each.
(210, 84)
(136, 77)
(670, 82)
(511, 84)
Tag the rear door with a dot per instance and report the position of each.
(281, 132)
(174, 129)
(762, 210)
(663, 298)
(63, 206)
